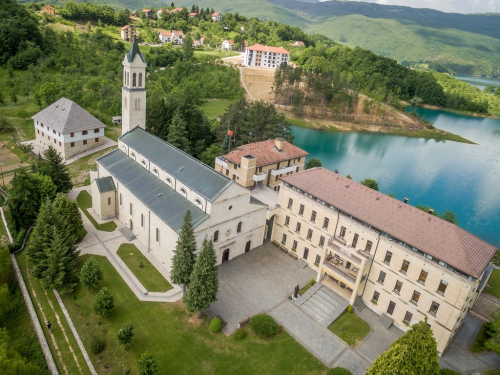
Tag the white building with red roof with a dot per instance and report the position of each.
(298, 43)
(127, 33)
(266, 56)
(172, 36)
(216, 17)
(228, 44)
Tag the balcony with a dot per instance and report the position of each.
(259, 177)
(332, 268)
(291, 168)
(220, 161)
(351, 254)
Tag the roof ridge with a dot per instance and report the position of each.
(471, 264)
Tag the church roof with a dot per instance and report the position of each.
(155, 194)
(105, 184)
(134, 50)
(65, 116)
(183, 167)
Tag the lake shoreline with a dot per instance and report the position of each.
(463, 113)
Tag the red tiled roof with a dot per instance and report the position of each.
(124, 27)
(146, 10)
(193, 14)
(165, 33)
(430, 234)
(177, 32)
(229, 41)
(215, 14)
(266, 152)
(262, 48)
(300, 43)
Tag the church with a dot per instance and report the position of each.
(149, 185)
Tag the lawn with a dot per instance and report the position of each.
(216, 107)
(79, 169)
(493, 287)
(478, 343)
(216, 54)
(350, 328)
(148, 275)
(492, 372)
(180, 342)
(84, 201)
(304, 289)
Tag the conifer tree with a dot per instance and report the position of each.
(226, 145)
(53, 166)
(187, 47)
(177, 134)
(184, 255)
(24, 201)
(414, 353)
(68, 210)
(204, 282)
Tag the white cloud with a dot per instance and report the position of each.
(449, 6)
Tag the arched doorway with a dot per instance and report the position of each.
(247, 246)
(225, 256)
(131, 226)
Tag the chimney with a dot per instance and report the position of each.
(336, 171)
(278, 142)
(431, 211)
(406, 200)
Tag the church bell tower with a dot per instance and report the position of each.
(134, 89)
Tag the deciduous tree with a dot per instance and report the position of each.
(103, 303)
(90, 274)
(147, 364)
(313, 163)
(184, 257)
(125, 335)
(371, 183)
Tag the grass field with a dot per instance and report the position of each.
(350, 328)
(216, 107)
(494, 284)
(84, 201)
(148, 275)
(213, 53)
(180, 342)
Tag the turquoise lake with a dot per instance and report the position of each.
(445, 175)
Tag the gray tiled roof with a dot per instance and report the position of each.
(65, 116)
(134, 50)
(105, 184)
(191, 172)
(160, 198)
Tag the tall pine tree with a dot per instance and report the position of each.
(414, 353)
(68, 210)
(177, 134)
(184, 255)
(52, 165)
(226, 145)
(204, 282)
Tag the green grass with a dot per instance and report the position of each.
(478, 343)
(213, 53)
(181, 343)
(84, 201)
(45, 300)
(304, 289)
(148, 275)
(214, 108)
(350, 328)
(492, 372)
(494, 284)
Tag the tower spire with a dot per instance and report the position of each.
(134, 50)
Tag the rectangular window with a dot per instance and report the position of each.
(142, 220)
(53, 131)
(422, 277)
(294, 246)
(309, 234)
(84, 141)
(55, 141)
(72, 134)
(368, 246)
(96, 130)
(85, 132)
(313, 216)
(297, 228)
(388, 257)
(325, 223)
(442, 287)
(130, 208)
(415, 297)
(404, 266)
(157, 235)
(290, 203)
(38, 131)
(397, 288)
(342, 232)
(306, 253)
(381, 277)
(301, 209)
(72, 144)
(283, 240)
(48, 137)
(287, 221)
(97, 139)
(390, 309)
(376, 296)
(318, 259)
(321, 241)
(109, 201)
(408, 317)
(59, 143)
(434, 308)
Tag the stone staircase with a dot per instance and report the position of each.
(359, 305)
(324, 305)
(385, 321)
(129, 235)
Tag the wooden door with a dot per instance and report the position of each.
(225, 256)
(247, 246)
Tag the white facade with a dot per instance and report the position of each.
(227, 45)
(172, 36)
(133, 92)
(266, 57)
(216, 17)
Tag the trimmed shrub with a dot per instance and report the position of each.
(339, 371)
(447, 371)
(215, 325)
(263, 325)
(349, 309)
(96, 345)
(240, 334)
(312, 282)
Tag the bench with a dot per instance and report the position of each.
(222, 320)
(293, 254)
(284, 249)
(276, 243)
(243, 322)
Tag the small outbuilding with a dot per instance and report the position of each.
(104, 197)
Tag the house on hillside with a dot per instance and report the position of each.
(266, 56)
(228, 44)
(297, 43)
(68, 128)
(160, 12)
(199, 42)
(216, 17)
(194, 15)
(135, 13)
(172, 36)
(128, 33)
(49, 9)
(176, 10)
(148, 13)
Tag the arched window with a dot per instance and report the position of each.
(169, 181)
(125, 102)
(134, 83)
(137, 104)
(143, 162)
(140, 79)
(125, 79)
(183, 191)
(132, 155)
(130, 208)
(197, 201)
(155, 171)
(128, 79)
(238, 230)
(216, 236)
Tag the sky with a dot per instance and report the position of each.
(449, 6)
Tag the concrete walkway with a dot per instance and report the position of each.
(107, 243)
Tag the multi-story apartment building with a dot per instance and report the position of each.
(262, 163)
(172, 36)
(127, 33)
(402, 262)
(266, 56)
